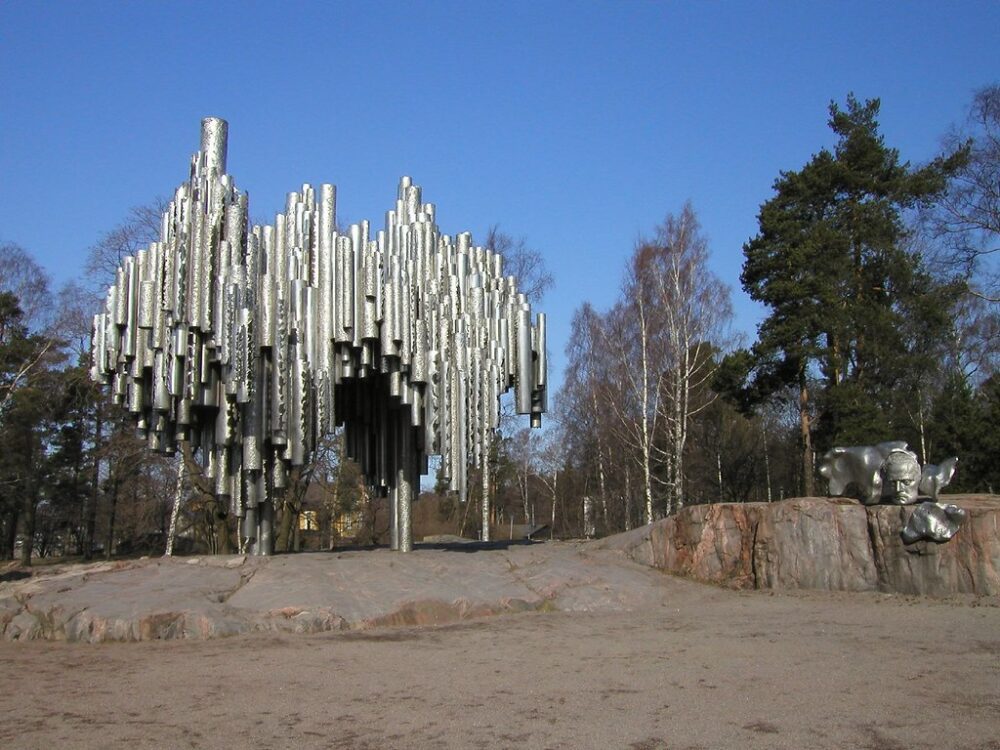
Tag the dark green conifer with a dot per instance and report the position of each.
(848, 302)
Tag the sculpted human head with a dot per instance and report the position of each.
(901, 477)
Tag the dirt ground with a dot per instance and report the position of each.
(708, 668)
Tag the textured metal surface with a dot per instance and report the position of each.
(857, 468)
(933, 478)
(933, 522)
(889, 472)
(250, 341)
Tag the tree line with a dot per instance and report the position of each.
(879, 286)
(880, 293)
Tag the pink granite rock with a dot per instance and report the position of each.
(823, 543)
(211, 597)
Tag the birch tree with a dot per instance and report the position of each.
(27, 316)
(672, 314)
(585, 411)
(635, 375)
(693, 312)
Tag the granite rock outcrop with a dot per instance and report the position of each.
(215, 596)
(822, 543)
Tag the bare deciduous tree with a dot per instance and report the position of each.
(31, 312)
(967, 216)
(637, 375)
(640, 373)
(694, 311)
(526, 263)
(586, 421)
(140, 227)
(24, 278)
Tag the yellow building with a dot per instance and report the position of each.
(347, 525)
(308, 521)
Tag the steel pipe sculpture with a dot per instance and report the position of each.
(249, 342)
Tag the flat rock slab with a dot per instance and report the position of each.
(198, 598)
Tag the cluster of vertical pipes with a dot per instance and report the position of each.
(249, 342)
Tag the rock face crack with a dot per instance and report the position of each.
(512, 568)
(753, 553)
(878, 559)
(245, 577)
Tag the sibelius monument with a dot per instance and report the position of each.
(248, 342)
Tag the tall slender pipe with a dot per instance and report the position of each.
(214, 143)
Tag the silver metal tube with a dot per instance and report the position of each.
(487, 486)
(404, 486)
(541, 362)
(265, 542)
(524, 369)
(394, 517)
(214, 141)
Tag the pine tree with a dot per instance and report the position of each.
(831, 264)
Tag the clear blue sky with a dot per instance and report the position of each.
(578, 125)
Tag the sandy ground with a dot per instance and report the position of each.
(704, 668)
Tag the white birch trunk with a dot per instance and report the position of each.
(176, 510)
